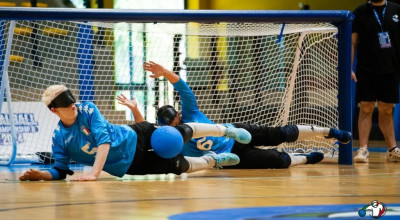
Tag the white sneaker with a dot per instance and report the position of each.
(393, 156)
(361, 155)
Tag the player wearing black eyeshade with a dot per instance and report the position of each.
(250, 155)
(86, 137)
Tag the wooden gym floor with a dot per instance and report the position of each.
(161, 196)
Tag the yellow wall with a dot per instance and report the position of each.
(266, 4)
(278, 4)
(108, 4)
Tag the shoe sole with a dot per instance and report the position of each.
(235, 135)
(360, 160)
(232, 161)
(342, 142)
(392, 160)
(346, 141)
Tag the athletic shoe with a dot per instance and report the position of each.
(394, 155)
(313, 157)
(344, 137)
(239, 134)
(224, 159)
(361, 155)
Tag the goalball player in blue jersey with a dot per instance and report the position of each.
(250, 156)
(86, 137)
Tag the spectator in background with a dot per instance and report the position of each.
(376, 37)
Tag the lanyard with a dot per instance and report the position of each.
(377, 16)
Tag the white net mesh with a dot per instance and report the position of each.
(239, 72)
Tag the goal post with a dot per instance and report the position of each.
(264, 67)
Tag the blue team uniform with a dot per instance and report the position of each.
(191, 113)
(79, 142)
(250, 156)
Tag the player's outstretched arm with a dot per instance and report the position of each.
(159, 71)
(132, 105)
(101, 157)
(188, 99)
(35, 175)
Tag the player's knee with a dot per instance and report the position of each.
(286, 161)
(290, 133)
(182, 165)
(186, 131)
(279, 160)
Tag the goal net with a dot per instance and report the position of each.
(262, 73)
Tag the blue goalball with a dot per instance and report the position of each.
(362, 213)
(167, 142)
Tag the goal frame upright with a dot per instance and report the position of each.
(341, 19)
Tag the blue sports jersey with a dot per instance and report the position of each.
(191, 113)
(79, 142)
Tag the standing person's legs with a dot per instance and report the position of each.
(365, 122)
(366, 94)
(364, 129)
(388, 95)
(383, 88)
(386, 123)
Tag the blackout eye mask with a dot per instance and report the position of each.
(166, 114)
(63, 100)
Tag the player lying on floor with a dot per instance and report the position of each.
(86, 137)
(250, 156)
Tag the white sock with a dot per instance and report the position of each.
(307, 132)
(203, 130)
(297, 160)
(200, 163)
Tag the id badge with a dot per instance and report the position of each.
(384, 40)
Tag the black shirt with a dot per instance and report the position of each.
(371, 59)
(395, 1)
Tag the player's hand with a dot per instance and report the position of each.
(155, 68)
(125, 101)
(353, 76)
(31, 174)
(85, 177)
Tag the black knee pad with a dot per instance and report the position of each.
(277, 159)
(186, 132)
(291, 132)
(182, 165)
(286, 160)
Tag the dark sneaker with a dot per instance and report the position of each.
(344, 137)
(313, 157)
